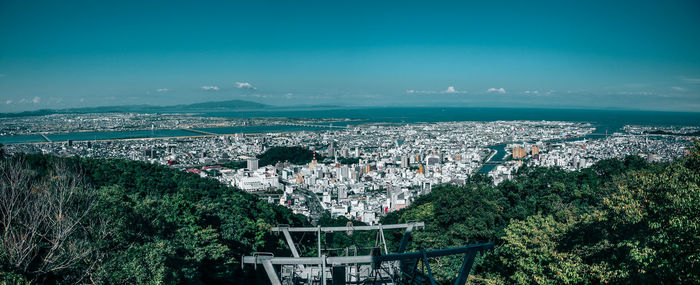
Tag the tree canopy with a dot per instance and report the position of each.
(118, 221)
(292, 154)
(620, 221)
(147, 223)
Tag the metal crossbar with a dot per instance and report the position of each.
(398, 268)
(343, 229)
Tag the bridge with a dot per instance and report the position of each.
(199, 132)
(377, 267)
(46, 138)
(331, 126)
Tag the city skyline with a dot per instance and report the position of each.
(552, 54)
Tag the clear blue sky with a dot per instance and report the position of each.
(581, 54)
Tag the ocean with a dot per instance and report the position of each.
(603, 120)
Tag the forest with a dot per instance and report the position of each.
(293, 155)
(620, 221)
(79, 220)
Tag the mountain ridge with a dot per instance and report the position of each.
(228, 104)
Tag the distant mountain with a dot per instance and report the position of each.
(230, 104)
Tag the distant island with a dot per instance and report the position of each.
(224, 105)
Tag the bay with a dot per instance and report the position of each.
(605, 121)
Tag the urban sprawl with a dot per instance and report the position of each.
(361, 171)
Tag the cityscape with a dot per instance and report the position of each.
(367, 170)
(357, 142)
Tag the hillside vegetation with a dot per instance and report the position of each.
(620, 221)
(73, 220)
(291, 154)
(76, 220)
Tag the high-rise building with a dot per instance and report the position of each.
(345, 172)
(252, 164)
(149, 153)
(331, 149)
(519, 153)
(432, 160)
(404, 161)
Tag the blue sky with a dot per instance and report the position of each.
(572, 54)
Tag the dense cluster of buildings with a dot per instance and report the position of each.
(369, 170)
(109, 122)
(582, 153)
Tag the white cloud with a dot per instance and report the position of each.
(289, 95)
(244, 85)
(210, 88)
(691, 80)
(36, 100)
(162, 90)
(497, 90)
(678, 88)
(2, 75)
(531, 92)
(8, 102)
(82, 100)
(644, 93)
(449, 90)
(452, 90)
(411, 91)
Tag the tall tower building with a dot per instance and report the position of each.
(519, 153)
(404, 161)
(253, 164)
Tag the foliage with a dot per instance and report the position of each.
(235, 164)
(620, 221)
(348, 160)
(292, 154)
(45, 223)
(162, 225)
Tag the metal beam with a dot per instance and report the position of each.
(427, 267)
(318, 230)
(308, 260)
(466, 267)
(433, 253)
(291, 244)
(404, 239)
(323, 270)
(271, 273)
(259, 259)
(341, 229)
